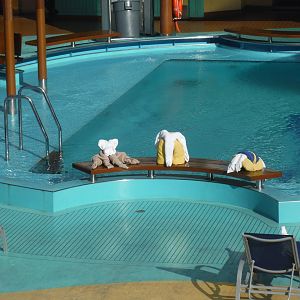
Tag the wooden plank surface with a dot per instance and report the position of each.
(194, 165)
(75, 37)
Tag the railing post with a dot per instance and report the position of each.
(5, 105)
(93, 178)
(10, 56)
(151, 174)
(259, 184)
(210, 176)
(166, 19)
(41, 43)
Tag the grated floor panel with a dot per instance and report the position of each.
(168, 231)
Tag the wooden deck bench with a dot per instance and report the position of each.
(201, 165)
(18, 47)
(270, 34)
(76, 37)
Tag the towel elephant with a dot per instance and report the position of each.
(109, 157)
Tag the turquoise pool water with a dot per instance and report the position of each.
(220, 106)
(222, 100)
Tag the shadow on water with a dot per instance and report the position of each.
(278, 74)
(294, 124)
(29, 137)
(292, 130)
(25, 135)
(16, 147)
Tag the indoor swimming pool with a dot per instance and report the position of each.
(222, 100)
(130, 228)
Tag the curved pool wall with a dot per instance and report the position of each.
(136, 188)
(63, 196)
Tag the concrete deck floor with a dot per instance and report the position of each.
(118, 251)
(193, 290)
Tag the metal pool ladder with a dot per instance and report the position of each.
(21, 97)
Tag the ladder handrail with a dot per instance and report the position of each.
(20, 97)
(40, 90)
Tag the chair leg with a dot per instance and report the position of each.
(239, 280)
(250, 280)
(4, 241)
(291, 282)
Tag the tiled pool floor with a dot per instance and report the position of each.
(145, 240)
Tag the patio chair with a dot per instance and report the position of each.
(269, 254)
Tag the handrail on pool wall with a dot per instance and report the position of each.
(40, 90)
(36, 114)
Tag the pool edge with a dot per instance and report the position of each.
(130, 189)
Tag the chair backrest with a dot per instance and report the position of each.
(271, 253)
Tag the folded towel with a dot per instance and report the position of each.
(236, 163)
(170, 138)
(247, 160)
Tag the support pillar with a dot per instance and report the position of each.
(166, 18)
(41, 43)
(9, 55)
(105, 15)
(148, 15)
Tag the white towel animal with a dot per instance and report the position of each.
(170, 138)
(237, 161)
(108, 147)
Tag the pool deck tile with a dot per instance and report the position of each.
(130, 241)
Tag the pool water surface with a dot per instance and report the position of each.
(222, 100)
(221, 107)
